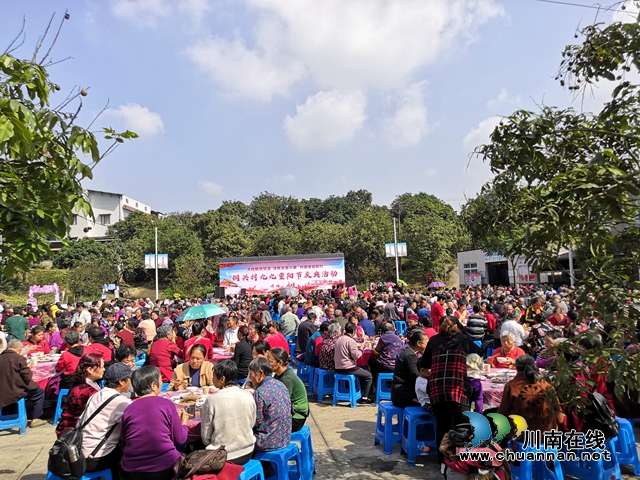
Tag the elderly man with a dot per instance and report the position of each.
(289, 322)
(15, 378)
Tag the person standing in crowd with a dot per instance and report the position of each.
(17, 326)
(151, 429)
(437, 311)
(17, 383)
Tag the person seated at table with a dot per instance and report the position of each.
(525, 396)
(17, 383)
(217, 335)
(106, 424)
(231, 334)
(242, 353)
(406, 372)
(359, 331)
(507, 353)
(279, 360)
(148, 325)
(428, 327)
(69, 360)
(100, 344)
(385, 352)
(36, 342)
(49, 329)
(314, 344)
(367, 325)
(164, 351)
(228, 416)
(327, 353)
(253, 336)
(57, 339)
(121, 336)
(346, 355)
(138, 335)
(197, 372)
(274, 338)
(151, 428)
(273, 408)
(90, 370)
(126, 354)
(199, 337)
(260, 349)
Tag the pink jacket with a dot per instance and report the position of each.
(347, 353)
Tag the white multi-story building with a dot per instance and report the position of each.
(108, 208)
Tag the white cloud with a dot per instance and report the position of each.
(289, 178)
(481, 134)
(326, 118)
(409, 124)
(210, 188)
(250, 73)
(146, 13)
(343, 45)
(138, 119)
(629, 14)
(431, 172)
(503, 98)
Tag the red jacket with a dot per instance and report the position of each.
(204, 341)
(437, 312)
(277, 340)
(70, 359)
(127, 338)
(105, 352)
(161, 356)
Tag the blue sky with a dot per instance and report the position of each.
(308, 98)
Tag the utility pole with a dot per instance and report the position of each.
(157, 293)
(395, 247)
(571, 279)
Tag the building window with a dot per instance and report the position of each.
(145, 209)
(75, 220)
(126, 200)
(136, 204)
(105, 219)
(470, 268)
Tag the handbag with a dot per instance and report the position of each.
(200, 462)
(65, 457)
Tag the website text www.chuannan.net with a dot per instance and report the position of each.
(513, 456)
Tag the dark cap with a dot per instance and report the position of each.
(117, 372)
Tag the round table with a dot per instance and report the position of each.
(219, 355)
(43, 372)
(493, 391)
(363, 361)
(194, 425)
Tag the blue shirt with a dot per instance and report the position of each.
(195, 377)
(368, 327)
(423, 312)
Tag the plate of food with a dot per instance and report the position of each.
(501, 379)
(187, 399)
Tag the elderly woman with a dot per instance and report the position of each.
(279, 360)
(449, 388)
(164, 351)
(525, 396)
(273, 408)
(69, 360)
(327, 353)
(151, 429)
(90, 370)
(197, 372)
(505, 356)
(228, 416)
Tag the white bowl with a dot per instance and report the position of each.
(192, 389)
(502, 359)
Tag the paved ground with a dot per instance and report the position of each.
(342, 440)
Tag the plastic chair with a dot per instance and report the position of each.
(418, 431)
(383, 389)
(104, 474)
(594, 470)
(346, 388)
(304, 372)
(388, 432)
(478, 343)
(291, 340)
(165, 386)
(58, 414)
(241, 381)
(280, 459)
(323, 383)
(528, 470)
(16, 420)
(140, 360)
(252, 471)
(303, 437)
(625, 446)
(401, 327)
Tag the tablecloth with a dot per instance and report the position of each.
(363, 361)
(43, 372)
(194, 423)
(492, 393)
(219, 354)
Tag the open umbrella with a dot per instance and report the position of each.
(289, 292)
(200, 311)
(436, 285)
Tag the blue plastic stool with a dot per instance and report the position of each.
(490, 351)
(291, 340)
(383, 389)
(388, 432)
(346, 388)
(140, 360)
(312, 376)
(16, 420)
(418, 431)
(304, 372)
(323, 383)
(478, 343)
(56, 418)
(528, 470)
(594, 470)
(280, 459)
(241, 381)
(625, 446)
(401, 327)
(252, 471)
(104, 474)
(164, 387)
(303, 437)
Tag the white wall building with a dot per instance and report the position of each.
(108, 208)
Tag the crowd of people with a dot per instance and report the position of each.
(260, 401)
